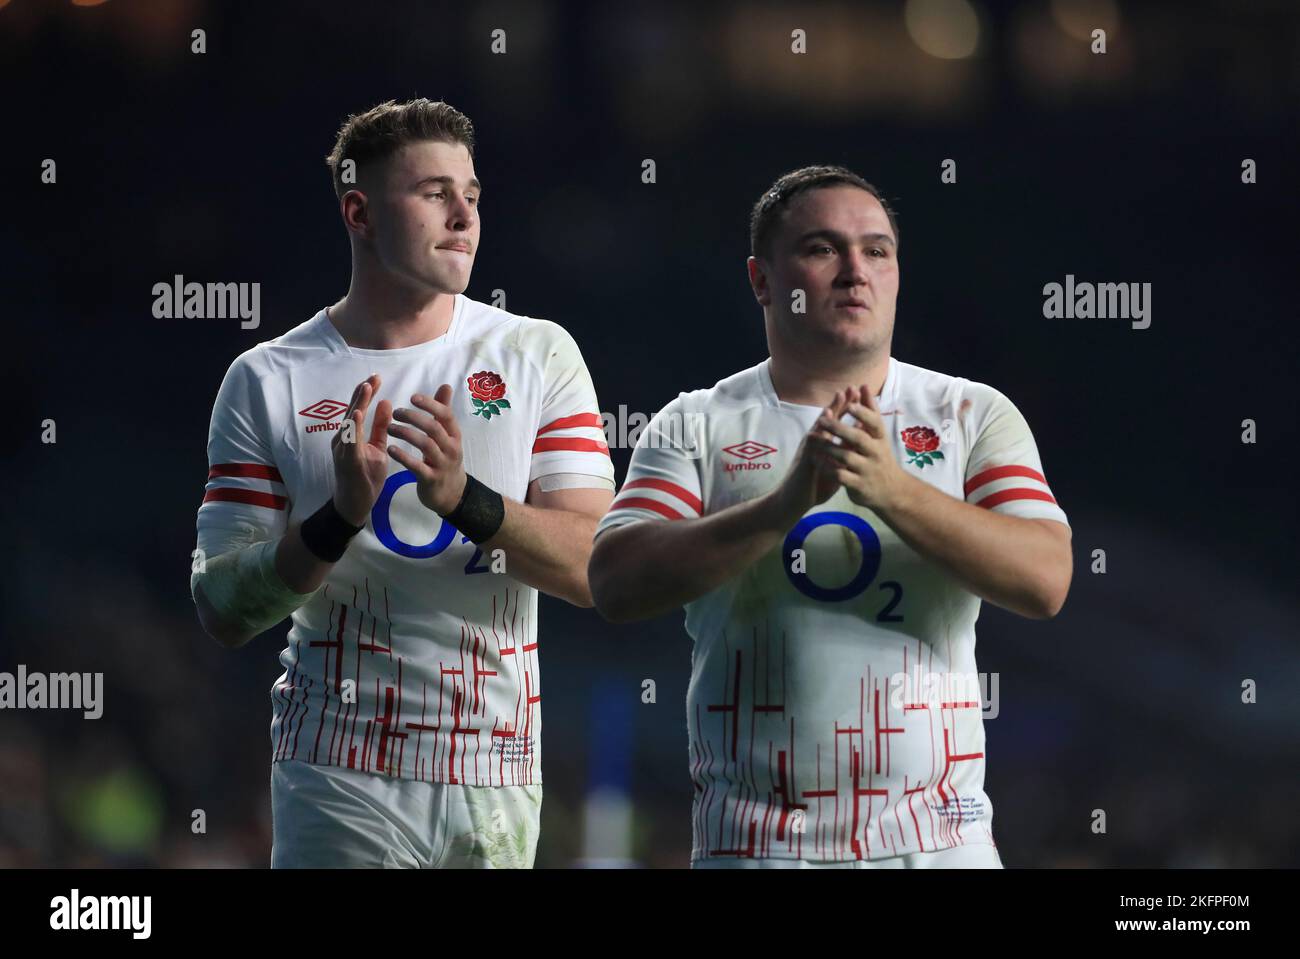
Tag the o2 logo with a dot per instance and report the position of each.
(383, 527)
(867, 571)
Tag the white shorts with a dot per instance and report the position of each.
(327, 817)
(972, 856)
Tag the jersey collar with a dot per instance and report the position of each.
(339, 345)
(886, 400)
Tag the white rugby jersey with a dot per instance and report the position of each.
(806, 740)
(413, 659)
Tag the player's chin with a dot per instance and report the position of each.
(448, 281)
(852, 334)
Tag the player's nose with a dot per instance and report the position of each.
(461, 215)
(855, 270)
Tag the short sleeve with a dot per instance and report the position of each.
(570, 433)
(663, 479)
(245, 500)
(1003, 472)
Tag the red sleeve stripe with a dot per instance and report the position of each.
(569, 422)
(570, 444)
(252, 497)
(253, 470)
(1002, 472)
(672, 489)
(641, 502)
(1007, 495)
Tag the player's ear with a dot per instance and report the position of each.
(355, 208)
(758, 281)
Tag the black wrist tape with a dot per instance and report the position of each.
(326, 534)
(480, 512)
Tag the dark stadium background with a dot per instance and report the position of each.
(1122, 167)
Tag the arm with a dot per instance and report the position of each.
(648, 568)
(547, 540)
(1023, 565)
(248, 594)
(257, 586)
(248, 589)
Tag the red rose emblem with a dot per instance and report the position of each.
(922, 446)
(486, 390)
(920, 439)
(486, 386)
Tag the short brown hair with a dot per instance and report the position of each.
(775, 200)
(384, 129)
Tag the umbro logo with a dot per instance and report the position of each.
(324, 410)
(748, 451)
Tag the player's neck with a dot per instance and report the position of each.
(814, 381)
(390, 317)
